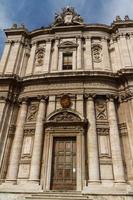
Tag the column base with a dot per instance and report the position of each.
(11, 181)
(107, 187)
(21, 186)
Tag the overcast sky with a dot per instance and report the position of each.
(37, 13)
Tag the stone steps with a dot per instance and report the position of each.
(57, 196)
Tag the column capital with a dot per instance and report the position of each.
(33, 43)
(48, 40)
(42, 98)
(104, 39)
(111, 97)
(23, 100)
(87, 37)
(90, 96)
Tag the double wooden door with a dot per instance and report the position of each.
(64, 164)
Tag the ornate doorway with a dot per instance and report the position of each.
(64, 164)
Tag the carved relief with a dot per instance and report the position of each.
(123, 129)
(65, 117)
(39, 56)
(101, 111)
(32, 112)
(96, 53)
(29, 131)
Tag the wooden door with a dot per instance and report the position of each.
(64, 164)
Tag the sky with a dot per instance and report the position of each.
(37, 13)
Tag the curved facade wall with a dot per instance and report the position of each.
(66, 109)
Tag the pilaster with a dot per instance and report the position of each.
(31, 60)
(46, 66)
(106, 57)
(88, 54)
(5, 55)
(79, 53)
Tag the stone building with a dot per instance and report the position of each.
(66, 110)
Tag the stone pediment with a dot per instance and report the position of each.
(65, 116)
(67, 17)
(67, 44)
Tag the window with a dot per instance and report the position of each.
(67, 61)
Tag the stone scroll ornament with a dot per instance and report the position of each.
(97, 53)
(68, 16)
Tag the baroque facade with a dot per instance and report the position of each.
(66, 110)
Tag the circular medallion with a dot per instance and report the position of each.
(65, 101)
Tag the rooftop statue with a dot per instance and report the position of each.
(68, 16)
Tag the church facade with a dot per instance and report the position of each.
(66, 109)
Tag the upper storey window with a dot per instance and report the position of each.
(67, 61)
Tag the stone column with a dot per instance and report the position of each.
(5, 56)
(115, 143)
(106, 57)
(88, 54)
(79, 54)
(93, 162)
(31, 60)
(38, 141)
(55, 56)
(47, 59)
(17, 144)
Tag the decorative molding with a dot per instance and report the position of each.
(65, 116)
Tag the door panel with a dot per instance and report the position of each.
(64, 164)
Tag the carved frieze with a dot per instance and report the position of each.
(101, 110)
(32, 112)
(97, 53)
